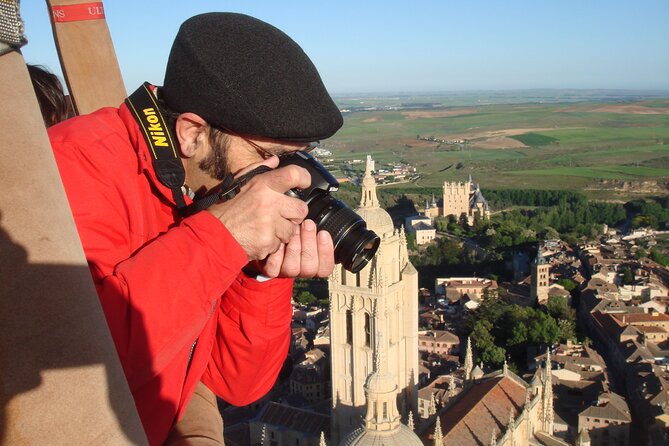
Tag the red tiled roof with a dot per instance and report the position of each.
(636, 318)
(609, 325)
(484, 407)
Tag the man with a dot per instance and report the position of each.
(186, 298)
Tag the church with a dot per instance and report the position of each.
(375, 309)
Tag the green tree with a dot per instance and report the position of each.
(659, 257)
(567, 284)
(305, 298)
(558, 307)
(543, 329)
(484, 342)
(567, 329)
(627, 275)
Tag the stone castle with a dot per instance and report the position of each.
(458, 199)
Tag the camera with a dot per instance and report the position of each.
(354, 244)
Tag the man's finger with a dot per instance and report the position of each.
(325, 254)
(291, 257)
(273, 262)
(285, 178)
(309, 254)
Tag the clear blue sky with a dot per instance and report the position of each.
(414, 46)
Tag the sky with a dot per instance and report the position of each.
(368, 46)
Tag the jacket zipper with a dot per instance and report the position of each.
(192, 347)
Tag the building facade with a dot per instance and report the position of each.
(464, 198)
(540, 282)
(382, 298)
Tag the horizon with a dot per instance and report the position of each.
(394, 47)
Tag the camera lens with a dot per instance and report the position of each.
(354, 244)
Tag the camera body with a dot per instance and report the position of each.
(322, 181)
(354, 244)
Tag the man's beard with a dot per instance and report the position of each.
(216, 163)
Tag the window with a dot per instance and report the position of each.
(357, 279)
(385, 411)
(349, 327)
(368, 330)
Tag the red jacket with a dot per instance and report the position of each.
(165, 282)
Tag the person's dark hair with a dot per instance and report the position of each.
(50, 95)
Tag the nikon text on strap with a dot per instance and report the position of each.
(158, 136)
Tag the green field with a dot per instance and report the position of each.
(608, 149)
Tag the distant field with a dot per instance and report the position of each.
(610, 150)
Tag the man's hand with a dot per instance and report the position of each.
(307, 254)
(270, 225)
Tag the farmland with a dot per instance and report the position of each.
(607, 147)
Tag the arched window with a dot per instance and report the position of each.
(368, 330)
(349, 327)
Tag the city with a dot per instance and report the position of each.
(583, 362)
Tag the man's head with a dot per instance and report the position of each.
(236, 74)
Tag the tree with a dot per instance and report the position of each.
(484, 342)
(567, 329)
(627, 275)
(567, 284)
(558, 307)
(543, 329)
(305, 298)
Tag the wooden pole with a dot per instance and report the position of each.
(87, 54)
(60, 378)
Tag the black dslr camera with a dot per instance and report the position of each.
(355, 245)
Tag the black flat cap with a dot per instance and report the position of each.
(240, 73)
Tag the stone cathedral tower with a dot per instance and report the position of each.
(382, 298)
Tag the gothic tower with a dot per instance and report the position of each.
(539, 281)
(382, 298)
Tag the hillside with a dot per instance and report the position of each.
(609, 149)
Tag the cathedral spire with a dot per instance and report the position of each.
(322, 440)
(438, 436)
(369, 198)
(432, 410)
(263, 436)
(469, 360)
(547, 396)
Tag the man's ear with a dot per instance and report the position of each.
(188, 128)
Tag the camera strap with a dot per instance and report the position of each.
(225, 191)
(165, 159)
(160, 140)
